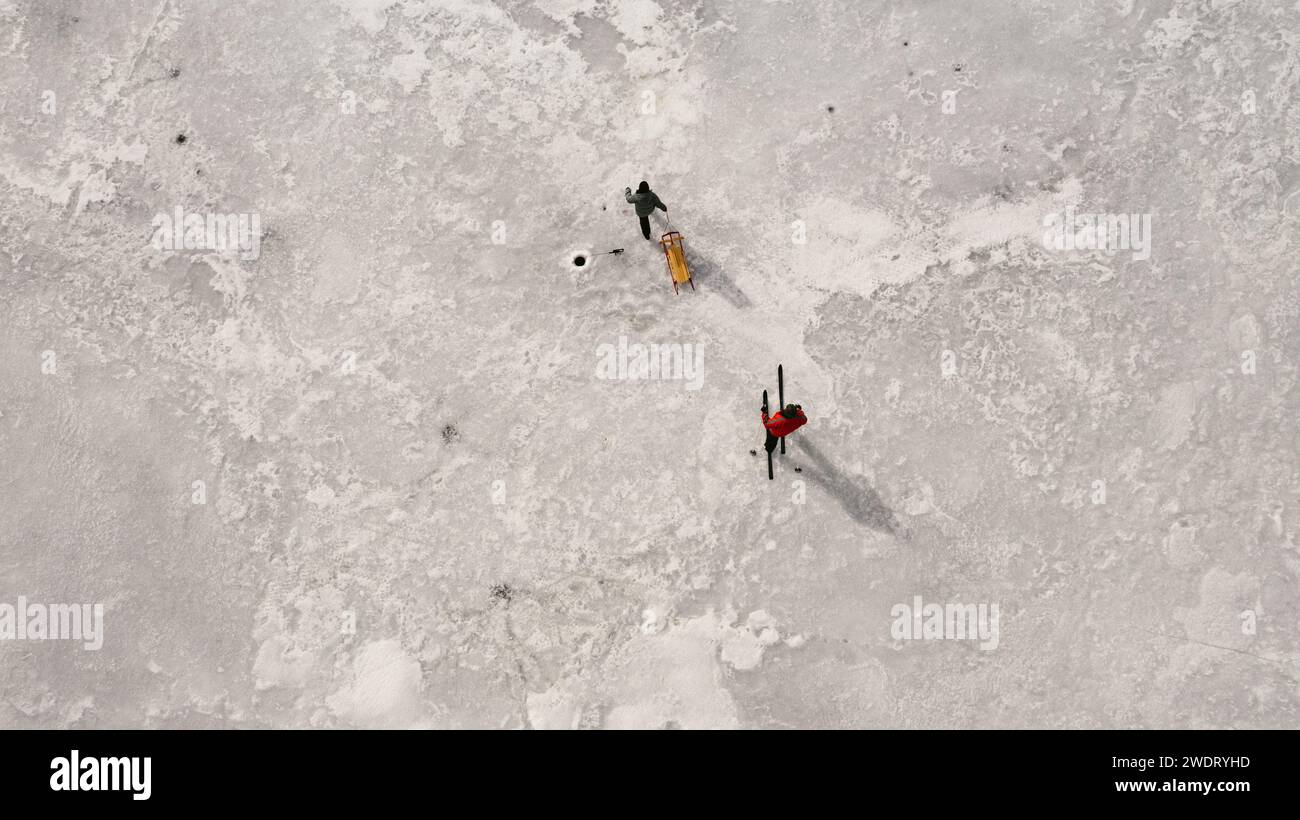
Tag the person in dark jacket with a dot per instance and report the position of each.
(782, 424)
(645, 201)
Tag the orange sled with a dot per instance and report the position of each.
(675, 253)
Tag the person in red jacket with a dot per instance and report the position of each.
(782, 424)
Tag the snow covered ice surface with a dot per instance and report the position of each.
(370, 470)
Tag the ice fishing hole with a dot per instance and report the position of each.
(579, 261)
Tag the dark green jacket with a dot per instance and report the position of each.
(645, 203)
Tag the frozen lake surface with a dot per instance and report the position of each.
(372, 469)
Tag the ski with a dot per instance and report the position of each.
(780, 395)
(769, 452)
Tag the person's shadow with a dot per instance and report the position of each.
(707, 273)
(862, 503)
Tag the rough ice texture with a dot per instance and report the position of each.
(422, 507)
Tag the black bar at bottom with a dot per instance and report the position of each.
(1031, 770)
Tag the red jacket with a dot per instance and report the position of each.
(779, 425)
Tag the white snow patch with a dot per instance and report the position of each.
(671, 677)
(742, 647)
(408, 70)
(565, 11)
(372, 15)
(1169, 34)
(384, 691)
(636, 19)
(664, 675)
(1171, 423)
(559, 707)
(857, 250)
(280, 663)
